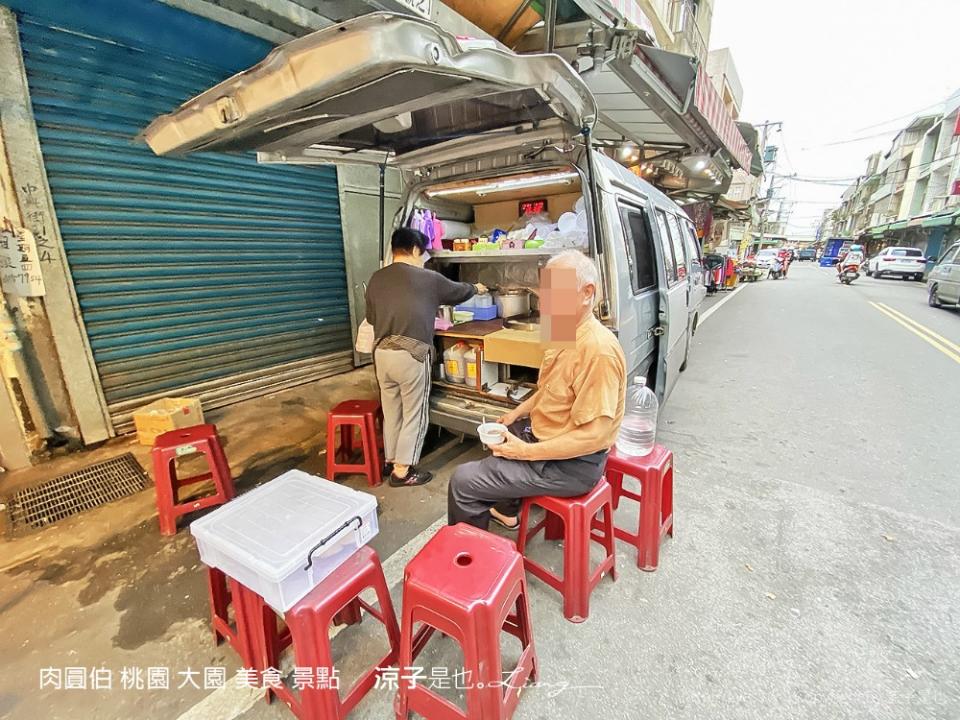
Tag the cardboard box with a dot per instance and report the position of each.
(164, 415)
(514, 347)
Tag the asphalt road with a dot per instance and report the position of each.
(814, 572)
(816, 566)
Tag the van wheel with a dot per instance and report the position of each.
(932, 299)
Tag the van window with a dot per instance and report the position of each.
(950, 256)
(640, 252)
(679, 253)
(668, 260)
(693, 250)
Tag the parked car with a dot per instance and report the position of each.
(905, 262)
(807, 254)
(309, 103)
(943, 282)
(765, 258)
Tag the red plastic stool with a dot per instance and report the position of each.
(309, 622)
(469, 585)
(175, 444)
(249, 610)
(580, 526)
(655, 473)
(347, 417)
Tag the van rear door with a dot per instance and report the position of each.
(382, 89)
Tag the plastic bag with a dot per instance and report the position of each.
(364, 344)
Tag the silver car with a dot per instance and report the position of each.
(943, 282)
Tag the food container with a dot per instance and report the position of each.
(445, 312)
(513, 302)
(462, 316)
(284, 537)
(491, 433)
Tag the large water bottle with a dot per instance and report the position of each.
(638, 431)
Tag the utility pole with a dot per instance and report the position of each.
(773, 161)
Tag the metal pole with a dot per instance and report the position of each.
(550, 11)
(383, 212)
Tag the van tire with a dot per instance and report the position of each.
(932, 299)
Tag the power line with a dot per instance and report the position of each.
(889, 174)
(849, 140)
(901, 117)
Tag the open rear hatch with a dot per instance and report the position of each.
(379, 88)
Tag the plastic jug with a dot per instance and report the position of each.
(638, 432)
(470, 358)
(453, 363)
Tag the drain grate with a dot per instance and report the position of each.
(77, 491)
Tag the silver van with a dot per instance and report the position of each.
(943, 282)
(475, 132)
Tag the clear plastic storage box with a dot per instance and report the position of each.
(281, 539)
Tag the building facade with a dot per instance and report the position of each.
(909, 195)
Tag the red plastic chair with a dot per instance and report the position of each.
(309, 623)
(573, 519)
(345, 419)
(169, 447)
(655, 473)
(469, 585)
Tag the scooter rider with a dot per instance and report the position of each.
(853, 256)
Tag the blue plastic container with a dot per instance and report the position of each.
(480, 313)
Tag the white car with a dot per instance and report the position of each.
(905, 262)
(765, 257)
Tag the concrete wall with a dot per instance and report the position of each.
(55, 347)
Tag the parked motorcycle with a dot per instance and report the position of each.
(849, 272)
(776, 270)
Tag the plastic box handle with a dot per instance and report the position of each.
(330, 537)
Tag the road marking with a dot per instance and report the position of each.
(940, 338)
(955, 356)
(713, 308)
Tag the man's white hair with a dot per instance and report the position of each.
(585, 267)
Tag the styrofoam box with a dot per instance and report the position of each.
(262, 539)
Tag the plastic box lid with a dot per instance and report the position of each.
(272, 528)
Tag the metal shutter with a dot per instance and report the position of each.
(209, 275)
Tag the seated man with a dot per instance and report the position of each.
(559, 437)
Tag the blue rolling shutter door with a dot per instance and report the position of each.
(208, 275)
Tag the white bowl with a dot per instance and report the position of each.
(491, 433)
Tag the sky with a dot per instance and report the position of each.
(836, 72)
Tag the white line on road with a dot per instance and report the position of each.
(713, 308)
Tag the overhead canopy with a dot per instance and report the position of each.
(379, 84)
(942, 219)
(752, 138)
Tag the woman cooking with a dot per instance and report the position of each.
(402, 303)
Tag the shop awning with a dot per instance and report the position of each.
(708, 107)
(752, 138)
(942, 219)
(899, 225)
(877, 231)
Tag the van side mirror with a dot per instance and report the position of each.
(932, 259)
